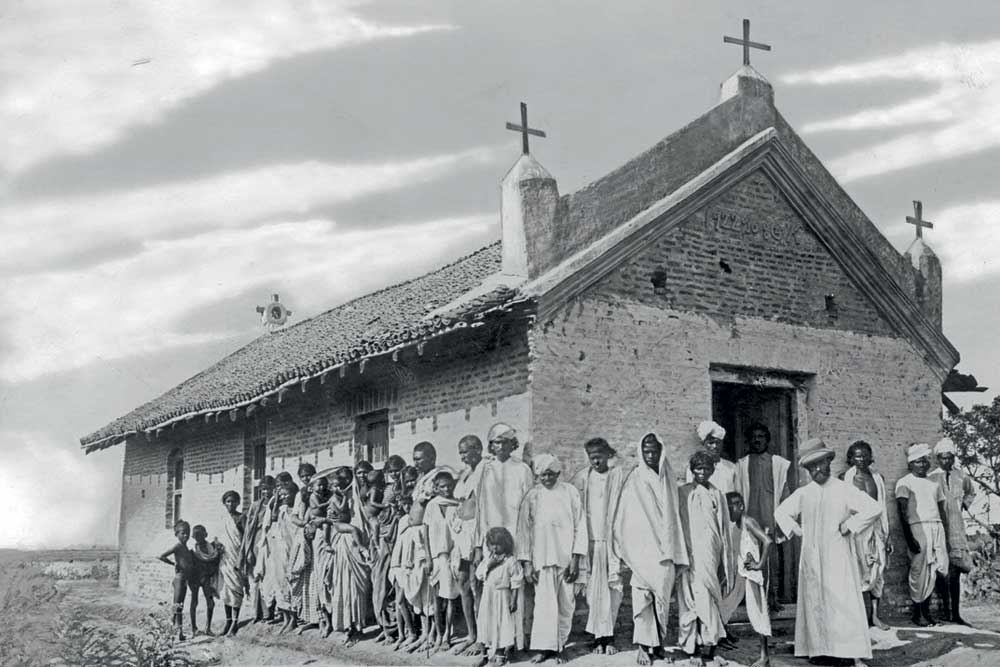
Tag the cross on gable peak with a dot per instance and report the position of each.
(745, 42)
(524, 129)
(917, 219)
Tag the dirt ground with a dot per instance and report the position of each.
(943, 646)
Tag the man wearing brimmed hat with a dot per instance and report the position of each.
(959, 493)
(830, 618)
(921, 509)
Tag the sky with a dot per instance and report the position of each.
(166, 166)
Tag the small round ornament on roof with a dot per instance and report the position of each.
(274, 314)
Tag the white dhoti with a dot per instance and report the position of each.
(732, 599)
(753, 585)
(931, 561)
(650, 612)
(604, 596)
(869, 546)
(553, 616)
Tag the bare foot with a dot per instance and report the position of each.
(381, 637)
(610, 649)
(476, 648)
(879, 623)
(763, 662)
(462, 644)
(558, 658)
(232, 630)
(209, 633)
(351, 638)
(540, 657)
(597, 649)
(860, 663)
(225, 628)
(642, 658)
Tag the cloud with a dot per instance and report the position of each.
(77, 76)
(965, 240)
(958, 117)
(67, 499)
(39, 235)
(135, 305)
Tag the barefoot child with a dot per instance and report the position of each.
(872, 545)
(184, 572)
(500, 625)
(207, 577)
(751, 554)
(233, 583)
(438, 516)
(405, 634)
(415, 572)
(704, 516)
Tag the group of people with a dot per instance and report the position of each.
(509, 547)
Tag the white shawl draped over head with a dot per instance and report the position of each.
(647, 532)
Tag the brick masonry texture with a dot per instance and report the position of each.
(625, 358)
(458, 386)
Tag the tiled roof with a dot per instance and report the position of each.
(368, 325)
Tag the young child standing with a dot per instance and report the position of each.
(922, 515)
(233, 582)
(704, 514)
(414, 574)
(751, 553)
(438, 516)
(207, 577)
(405, 634)
(500, 625)
(184, 571)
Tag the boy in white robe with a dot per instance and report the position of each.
(872, 545)
(704, 513)
(647, 537)
(551, 541)
(600, 486)
(827, 512)
(924, 521)
(751, 553)
(438, 517)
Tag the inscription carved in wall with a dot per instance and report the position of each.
(748, 226)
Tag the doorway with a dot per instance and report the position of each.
(736, 406)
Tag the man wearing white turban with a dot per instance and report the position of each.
(551, 542)
(502, 484)
(827, 512)
(959, 493)
(725, 477)
(924, 522)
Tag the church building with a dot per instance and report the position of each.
(721, 274)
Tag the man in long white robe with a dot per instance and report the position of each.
(647, 536)
(704, 514)
(503, 482)
(551, 542)
(830, 612)
(600, 486)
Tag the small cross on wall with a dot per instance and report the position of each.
(917, 219)
(524, 129)
(745, 42)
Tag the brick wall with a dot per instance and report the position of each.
(627, 358)
(461, 384)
